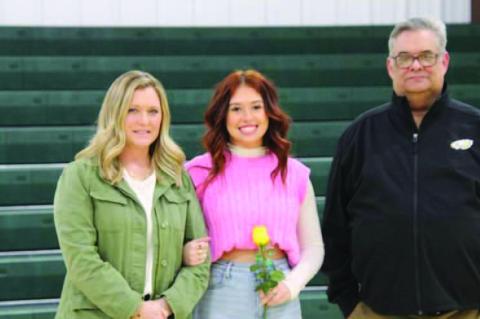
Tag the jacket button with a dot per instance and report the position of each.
(164, 263)
(164, 225)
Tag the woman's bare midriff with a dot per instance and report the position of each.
(248, 256)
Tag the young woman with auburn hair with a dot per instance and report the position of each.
(246, 179)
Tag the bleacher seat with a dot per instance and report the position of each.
(221, 41)
(30, 309)
(31, 275)
(182, 72)
(27, 228)
(28, 184)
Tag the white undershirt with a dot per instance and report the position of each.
(308, 231)
(144, 190)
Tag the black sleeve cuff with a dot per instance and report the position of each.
(347, 304)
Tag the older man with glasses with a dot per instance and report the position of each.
(402, 215)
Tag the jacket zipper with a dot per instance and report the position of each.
(415, 221)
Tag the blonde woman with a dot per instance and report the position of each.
(123, 211)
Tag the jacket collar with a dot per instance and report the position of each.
(162, 185)
(402, 117)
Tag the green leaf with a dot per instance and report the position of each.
(270, 284)
(254, 267)
(262, 286)
(277, 275)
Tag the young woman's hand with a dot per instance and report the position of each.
(276, 296)
(195, 251)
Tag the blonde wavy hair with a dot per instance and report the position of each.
(109, 140)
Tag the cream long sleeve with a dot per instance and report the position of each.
(311, 246)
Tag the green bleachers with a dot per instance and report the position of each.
(44, 145)
(53, 80)
(43, 273)
(28, 184)
(190, 41)
(60, 144)
(222, 41)
(33, 184)
(69, 107)
(31, 275)
(30, 309)
(37, 222)
(40, 108)
(87, 73)
(45, 269)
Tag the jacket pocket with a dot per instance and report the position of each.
(110, 211)
(465, 163)
(80, 302)
(175, 209)
(109, 196)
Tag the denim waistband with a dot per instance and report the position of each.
(240, 266)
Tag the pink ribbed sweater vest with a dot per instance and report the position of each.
(245, 196)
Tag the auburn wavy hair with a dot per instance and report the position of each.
(216, 137)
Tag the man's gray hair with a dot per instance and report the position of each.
(415, 24)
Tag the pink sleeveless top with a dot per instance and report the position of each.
(244, 196)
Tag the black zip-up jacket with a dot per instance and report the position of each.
(402, 214)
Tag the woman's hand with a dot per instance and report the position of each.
(166, 310)
(195, 251)
(150, 310)
(154, 309)
(276, 296)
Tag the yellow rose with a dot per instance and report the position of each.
(260, 235)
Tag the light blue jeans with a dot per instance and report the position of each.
(231, 295)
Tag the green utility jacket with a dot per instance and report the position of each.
(102, 234)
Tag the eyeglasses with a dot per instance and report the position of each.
(404, 60)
